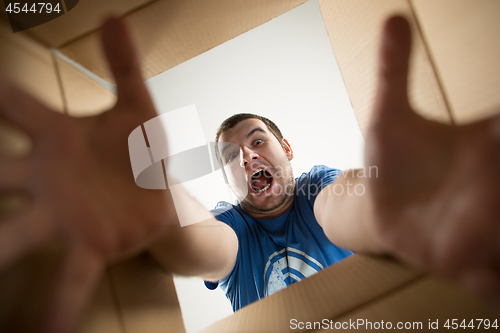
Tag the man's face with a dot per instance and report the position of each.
(257, 167)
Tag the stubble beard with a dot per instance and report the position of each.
(287, 193)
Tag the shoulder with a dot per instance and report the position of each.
(229, 214)
(222, 206)
(223, 211)
(311, 183)
(320, 175)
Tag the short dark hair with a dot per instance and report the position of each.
(237, 118)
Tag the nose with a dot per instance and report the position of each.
(247, 155)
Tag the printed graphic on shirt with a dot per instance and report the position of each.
(288, 266)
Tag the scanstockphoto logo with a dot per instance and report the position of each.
(183, 156)
(28, 14)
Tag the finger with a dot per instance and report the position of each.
(13, 174)
(495, 127)
(124, 62)
(22, 109)
(484, 283)
(391, 96)
(73, 289)
(23, 231)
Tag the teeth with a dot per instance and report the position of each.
(256, 172)
(253, 174)
(265, 188)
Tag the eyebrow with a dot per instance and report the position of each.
(256, 129)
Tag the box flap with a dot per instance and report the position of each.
(354, 29)
(330, 293)
(83, 96)
(464, 41)
(30, 65)
(168, 33)
(84, 18)
(425, 300)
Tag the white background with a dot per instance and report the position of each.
(284, 70)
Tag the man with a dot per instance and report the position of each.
(434, 203)
(280, 240)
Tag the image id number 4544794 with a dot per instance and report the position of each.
(40, 7)
(473, 323)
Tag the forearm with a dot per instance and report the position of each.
(205, 247)
(345, 211)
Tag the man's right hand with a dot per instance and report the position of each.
(80, 181)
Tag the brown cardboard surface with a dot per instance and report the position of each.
(145, 296)
(170, 32)
(354, 30)
(330, 293)
(85, 17)
(464, 39)
(426, 299)
(83, 96)
(30, 65)
(368, 288)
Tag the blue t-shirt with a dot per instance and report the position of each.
(275, 253)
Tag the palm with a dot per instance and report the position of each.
(81, 182)
(87, 183)
(435, 197)
(413, 154)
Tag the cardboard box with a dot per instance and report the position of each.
(364, 288)
(455, 78)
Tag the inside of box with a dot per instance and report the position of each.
(455, 73)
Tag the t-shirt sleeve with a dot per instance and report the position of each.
(222, 212)
(323, 176)
(320, 177)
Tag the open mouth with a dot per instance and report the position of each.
(260, 180)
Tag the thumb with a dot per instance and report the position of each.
(391, 96)
(124, 63)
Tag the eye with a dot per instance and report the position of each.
(231, 157)
(258, 142)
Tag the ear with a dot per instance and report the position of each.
(288, 149)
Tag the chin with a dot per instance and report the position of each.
(268, 205)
